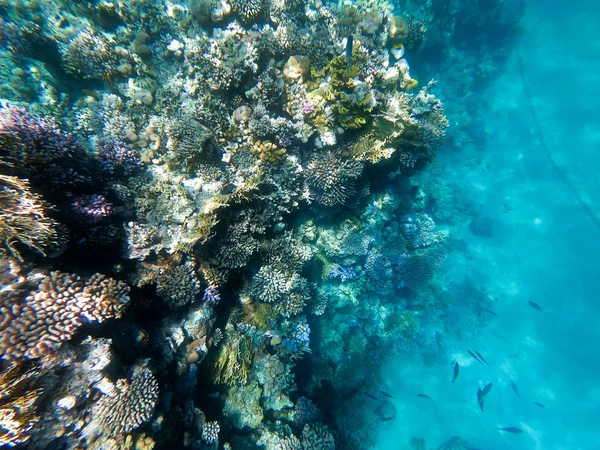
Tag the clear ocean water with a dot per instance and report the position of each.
(545, 250)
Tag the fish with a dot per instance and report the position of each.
(456, 370)
(514, 355)
(539, 404)
(372, 397)
(515, 388)
(386, 394)
(480, 399)
(489, 311)
(427, 397)
(482, 358)
(349, 42)
(474, 357)
(513, 430)
(397, 51)
(487, 388)
(535, 306)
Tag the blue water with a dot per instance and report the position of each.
(544, 249)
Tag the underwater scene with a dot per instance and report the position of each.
(299, 224)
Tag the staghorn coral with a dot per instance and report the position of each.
(129, 405)
(23, 218)
(330, 177)
(89, 54)
(35, 325)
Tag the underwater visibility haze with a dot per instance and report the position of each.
(299, 224)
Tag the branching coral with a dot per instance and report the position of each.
(178, 286)
(330, 177)
(19, 394)
(35, 148)
(89, 54)
(129, 406)
(237, 245)
(248, 10)
(23, 218)
(35, 325)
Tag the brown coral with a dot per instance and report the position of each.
(18, 399)
(131, 405)
(35, 325)
(23, 218)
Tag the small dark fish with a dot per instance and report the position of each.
(535, 306)
(456, 370)
(490, 312)
(481, 357)
(487, 388)
(513, 430)
(474, 357)
(427, 397)
(539, 404)
(514, 355)
(387, 395)
(480, 397)
(349, 42)
(515, 388)
(372, 397)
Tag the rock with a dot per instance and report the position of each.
(242, 113)
(297, 66)
(398, 29)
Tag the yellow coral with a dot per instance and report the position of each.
(235, 357)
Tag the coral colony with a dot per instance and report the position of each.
(208, 216)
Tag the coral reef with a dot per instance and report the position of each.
(252, 178)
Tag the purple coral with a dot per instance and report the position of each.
(308, 108)
(38, 149)
(91, 209)
(212, 295)
(118, 159)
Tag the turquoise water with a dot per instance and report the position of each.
(544, 249)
